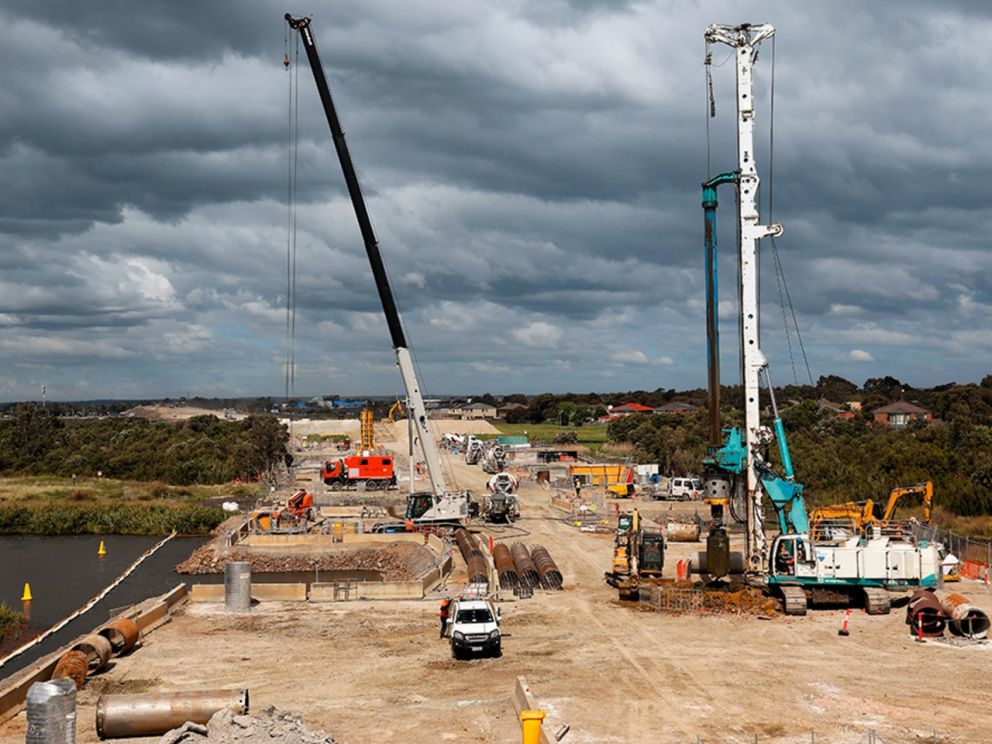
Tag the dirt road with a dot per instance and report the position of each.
(370, 672)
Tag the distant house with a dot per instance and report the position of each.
(476, 411)
(508, 408)
(628, 409)
(839, 410)
(676, 406)
(901, 413)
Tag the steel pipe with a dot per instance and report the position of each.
(156, 713)
(237, 586)
(508, 577)
(97, 649)
(123, 634)
(547, 569)
(965, 619)
(526, 568)
(925, 614)
(73, 665)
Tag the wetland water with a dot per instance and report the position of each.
(66, 572)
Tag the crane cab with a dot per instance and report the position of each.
(792, 556)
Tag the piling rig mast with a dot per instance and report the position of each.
(440, 505)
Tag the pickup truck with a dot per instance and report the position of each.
(474, 628)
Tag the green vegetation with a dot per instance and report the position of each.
(841, 460)
(201, 450)
(118, 518)
(10, 622)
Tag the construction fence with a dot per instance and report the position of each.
(870, 737)
(975, 556)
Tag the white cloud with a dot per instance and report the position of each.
(538, 335)
(860, 355)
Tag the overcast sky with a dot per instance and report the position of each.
(533, 172)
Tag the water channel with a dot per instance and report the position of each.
(66, 572)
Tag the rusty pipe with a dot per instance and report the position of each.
(547, 569)
(924, 610)
(154, 714)
(526, 568)
(965, 618)
(504, 566)
(72, 665)
(123, 633)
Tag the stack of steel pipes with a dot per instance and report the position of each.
(508, 577)
(478, 573)
(526, 568)
(546, 568)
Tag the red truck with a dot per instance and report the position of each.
(375, 471)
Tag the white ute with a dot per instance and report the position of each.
(474, 627)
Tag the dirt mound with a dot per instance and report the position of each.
(399, 561)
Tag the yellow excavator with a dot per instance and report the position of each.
(865, 514)
(397, 409)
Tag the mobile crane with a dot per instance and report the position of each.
(440, 505)
(737, 467)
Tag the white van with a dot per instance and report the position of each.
(474, 628)
(685, 489)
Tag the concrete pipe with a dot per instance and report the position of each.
(156, 713)
(965, 618)
(681, 532)
(97, 649)
(924, 612)
(123, 634)
(73, 665)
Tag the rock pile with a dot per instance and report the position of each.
(271, 725)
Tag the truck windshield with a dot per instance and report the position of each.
(474, 616)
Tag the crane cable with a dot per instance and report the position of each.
(785, 296)
(293, 148)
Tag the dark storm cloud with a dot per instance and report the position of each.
(534, 176)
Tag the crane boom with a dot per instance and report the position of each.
(404, 360)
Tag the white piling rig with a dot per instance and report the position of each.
(744, 40)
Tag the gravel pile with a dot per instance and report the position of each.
(271, 725)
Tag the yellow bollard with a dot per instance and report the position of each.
(530, 725)
(26, 597)
(102, 550)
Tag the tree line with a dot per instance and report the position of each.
(200, 450)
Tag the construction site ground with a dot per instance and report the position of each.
(614, 672)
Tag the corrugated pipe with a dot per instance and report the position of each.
(526, 568)
(504, 566)
(546, 567)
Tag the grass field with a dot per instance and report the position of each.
(42, 488)
(589, 435)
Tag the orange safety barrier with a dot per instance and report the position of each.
(970, 569)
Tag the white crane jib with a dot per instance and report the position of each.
(744, 39)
